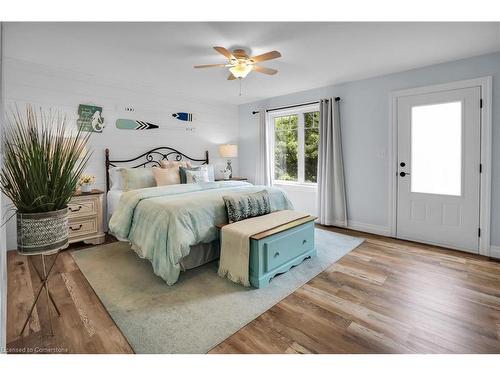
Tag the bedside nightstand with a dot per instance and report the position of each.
(86, 219)
(232, 179)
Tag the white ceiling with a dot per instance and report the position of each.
(314, 54)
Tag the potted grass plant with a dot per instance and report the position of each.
(42, 166)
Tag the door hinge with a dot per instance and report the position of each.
(480, 103)
(480, 168)
(479, 232)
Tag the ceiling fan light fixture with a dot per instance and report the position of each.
(241, 70)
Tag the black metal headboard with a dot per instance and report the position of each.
(150, 158)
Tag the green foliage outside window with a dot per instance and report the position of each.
(286, 152)
(311, 143)
(286, 148)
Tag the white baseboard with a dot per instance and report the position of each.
(495, 252)
(386, 231)
(368, 228)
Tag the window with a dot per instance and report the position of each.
(295, 137)
(436, 149)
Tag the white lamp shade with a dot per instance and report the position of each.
(228, 151)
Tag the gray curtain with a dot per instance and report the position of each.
(332, 207)
(263, 169)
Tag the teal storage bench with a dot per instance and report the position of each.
(278, 249)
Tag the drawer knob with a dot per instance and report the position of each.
(76, 228)
(277, 254)
(75, 209)
(304, 242)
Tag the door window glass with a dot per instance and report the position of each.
(436, 149)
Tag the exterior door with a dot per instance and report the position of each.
(439, 136)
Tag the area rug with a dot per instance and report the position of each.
(201, 310)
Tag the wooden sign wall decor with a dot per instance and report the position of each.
(90, 118)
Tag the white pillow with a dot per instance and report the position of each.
(209, 168)
(211, 173)
(197, 176)
(115, 178)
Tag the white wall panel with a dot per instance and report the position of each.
(58, 89)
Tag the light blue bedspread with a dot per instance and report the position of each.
(163, 222)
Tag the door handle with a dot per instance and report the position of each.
(402, 174)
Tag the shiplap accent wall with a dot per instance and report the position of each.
(52, 88)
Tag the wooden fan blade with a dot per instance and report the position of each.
(266, 56)
(240, 54)
(224, 52)
(261, 69)
(231, 77)
(209, 65)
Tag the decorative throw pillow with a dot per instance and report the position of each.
(243, 206)
(166, 176)
(174, 163)
(137, 178)
(197, 176)
(182, 172)
(115, 178)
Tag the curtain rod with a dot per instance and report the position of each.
(293, 106)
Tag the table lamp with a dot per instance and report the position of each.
(228, 151)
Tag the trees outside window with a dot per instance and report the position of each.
(286, 148)
(311, 143)
(295, 142)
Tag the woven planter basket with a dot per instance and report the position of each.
(42, 232)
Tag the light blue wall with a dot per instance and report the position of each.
(365, 132)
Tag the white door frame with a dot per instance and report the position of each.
(486, 148)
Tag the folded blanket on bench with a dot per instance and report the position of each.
(235, 244)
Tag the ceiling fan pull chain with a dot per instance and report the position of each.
(239, 79)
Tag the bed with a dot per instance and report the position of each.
(174, 226)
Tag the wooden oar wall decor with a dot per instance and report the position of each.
(134, 125)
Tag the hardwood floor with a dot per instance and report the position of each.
(386, 296)
(84, 326)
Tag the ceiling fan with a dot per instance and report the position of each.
(240, 64)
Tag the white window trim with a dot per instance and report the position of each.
(300, 162)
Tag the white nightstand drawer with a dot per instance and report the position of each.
(83, 206)
(82, 227)
(86, 215)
